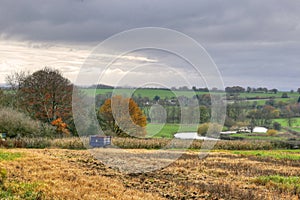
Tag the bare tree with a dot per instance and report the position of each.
(15, 81)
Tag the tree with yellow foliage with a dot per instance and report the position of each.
(122, 117)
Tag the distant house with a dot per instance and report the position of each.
(243, 130)
(258, 129)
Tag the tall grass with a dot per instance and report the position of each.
(135, 143)
(41, 143)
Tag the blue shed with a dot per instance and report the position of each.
(100, 141)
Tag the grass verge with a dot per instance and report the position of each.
(290, 184)
(277, 154)
(139, 143)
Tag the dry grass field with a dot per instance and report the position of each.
(75, 174)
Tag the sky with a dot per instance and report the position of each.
(253, 43)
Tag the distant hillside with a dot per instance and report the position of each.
(98, 86)
(4, 86)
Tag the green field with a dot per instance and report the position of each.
(296, 129)
(168, 130)
(284, 122)
(277, 154)
(266, 95)
(151, 93)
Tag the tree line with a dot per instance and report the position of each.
(44, 98)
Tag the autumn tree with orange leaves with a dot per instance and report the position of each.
(45, 95)
(122, 117)
(61, 127)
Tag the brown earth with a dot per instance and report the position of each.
(71, 174)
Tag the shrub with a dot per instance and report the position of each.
(271, 132)
(202, 129)
(47, 130)
(15, 124)
(209, 128)
(277, 126)
(61, 127)
(284, 95)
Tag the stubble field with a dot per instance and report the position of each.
(75, 174)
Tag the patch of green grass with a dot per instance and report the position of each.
(151, 93)
(284, 122)
(268, 95)
(162, 93)
(296, 129)
(9, 156)
(168, 130)
(289, 184)
(21, 191)
(277, 154)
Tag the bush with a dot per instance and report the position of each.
(271, 132)
(209, 128)
(277, 126)
(202, 129)
(47, 130)
(15, 123)
(284, 95)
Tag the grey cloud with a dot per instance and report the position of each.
(91, 20)
(254, 39)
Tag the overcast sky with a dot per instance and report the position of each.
(253, 43)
